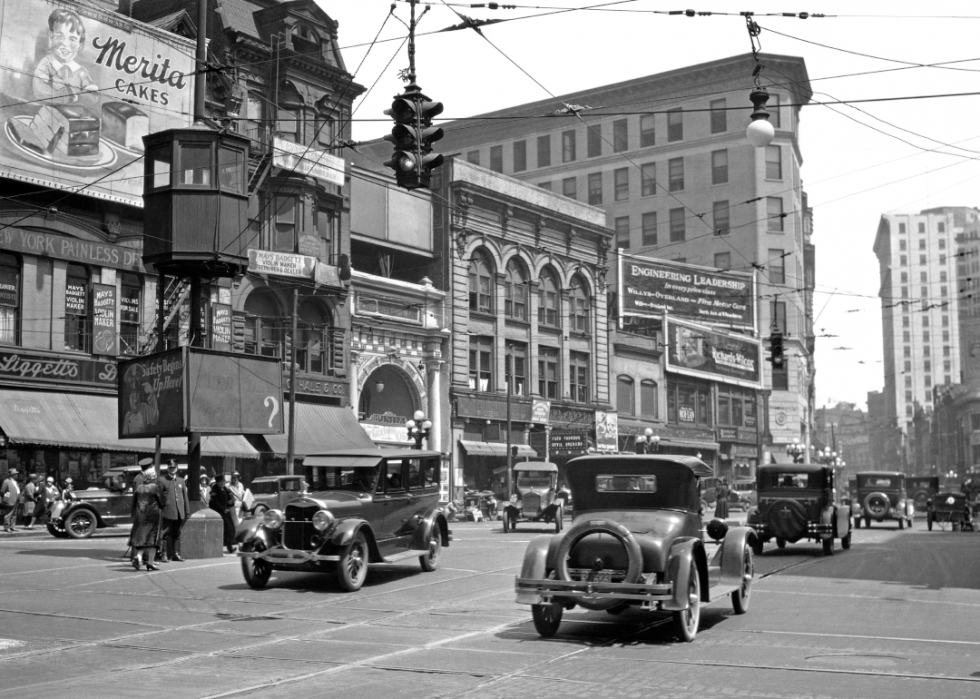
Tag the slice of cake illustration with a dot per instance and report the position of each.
(63, 131)
(125, 125)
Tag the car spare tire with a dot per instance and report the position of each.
(787, 519)
(587, 528)
(876, 505)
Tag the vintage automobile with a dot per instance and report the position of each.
(880, 496)
(537, 498)
(744, 491)
(636, 540)
(920, 489)
(796, 502)
(96, 508)
(364, 507)
(950, 508)
(273, 492)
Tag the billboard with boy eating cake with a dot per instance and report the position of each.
(81, 87)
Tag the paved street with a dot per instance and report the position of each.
(896, 616)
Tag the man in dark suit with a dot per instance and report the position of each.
(176, 508)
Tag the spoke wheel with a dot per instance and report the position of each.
(740, 598)
(81, 524)
(352, 566)
(686, 620)
(547, 618)
(256, 572)
(430, 561)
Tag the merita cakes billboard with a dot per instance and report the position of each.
(80, 87)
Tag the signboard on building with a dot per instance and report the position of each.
(540, 411)
(221, 320)
(151, 395)
(568, 442)
(105, 339)
(651, 288)
(327, 168)
(696, 350)
(81, 87)
(63, 247)
(606, 431)
(281, 264)
(31, 368)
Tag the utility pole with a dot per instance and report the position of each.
(510, 389)
(291, 438)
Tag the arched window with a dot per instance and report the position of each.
(130, 303)
(549, 308)
(481, 285)
(515, 291)
(305, 40)
(625, 399)
(262, 325)
(9, 298)
(78, 331)
(648, 400)
(313, 330)
(580, 306)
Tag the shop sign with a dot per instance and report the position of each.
(386, 433)
(88, 84)
(35, 368)
(727, 434)
(651, 288)
(72, 249)
(606, 431)
(561, 415)
(696, 350)
(684, 433)
(327, 168)
(76, 299)
(280, 264)
(540, 411)
(316, 386)
(105, 339)
(493, 408)
(743, 450)
(568, 442)
(9, 291)
(221, 320)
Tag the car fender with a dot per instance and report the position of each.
(76, 506)
(827, 518)
(843, 521)
(731, 551)
(753, 515)
(682, 552)
(344, 533)
(432, 518)
(254, 533)
(535, 566)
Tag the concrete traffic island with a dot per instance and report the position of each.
(202, 535)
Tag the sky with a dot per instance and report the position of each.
(915, 147)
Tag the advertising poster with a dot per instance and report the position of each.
(151, 395)
(699, 351)
(606, 431)
(650, 288)
(221, 325)
(104, 335)
(282, 264)
(81, 87)
(234, 394)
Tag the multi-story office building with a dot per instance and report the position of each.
(920, 305)
(666, 157)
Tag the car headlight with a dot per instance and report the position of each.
(272, 519)
(323, 520)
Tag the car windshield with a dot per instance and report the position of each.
(264, 487)
(360, 479)
(534, 479)
(610, 483)
(114, 481)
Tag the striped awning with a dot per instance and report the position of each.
(495, 449)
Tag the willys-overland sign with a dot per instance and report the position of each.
(650, 288)
(81, 87)
(696, 350)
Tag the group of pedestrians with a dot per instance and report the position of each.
(31, 501)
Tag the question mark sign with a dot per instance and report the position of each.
(275, 407)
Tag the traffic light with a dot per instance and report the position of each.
(413, 135)
(776, 354)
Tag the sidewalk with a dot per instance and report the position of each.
(39, 530)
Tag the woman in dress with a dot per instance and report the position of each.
(721, 500)
(147, 512)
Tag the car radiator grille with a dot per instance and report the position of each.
(532, 503)
(298, 528)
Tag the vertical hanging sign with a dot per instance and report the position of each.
(221, 326)
(104, 336)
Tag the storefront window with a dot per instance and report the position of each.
(687, 404)
(78, 331)
(9, 298)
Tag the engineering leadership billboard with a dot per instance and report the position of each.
(650, 288)
(700, 351)
(80, 88)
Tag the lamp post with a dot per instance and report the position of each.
(831, 458)
(796, 451)
(648, 442)
(418, 428)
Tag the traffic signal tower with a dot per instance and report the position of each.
(413, 135)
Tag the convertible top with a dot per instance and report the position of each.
(535, 466)
(696, 466)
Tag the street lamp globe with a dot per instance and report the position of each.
(760, 133)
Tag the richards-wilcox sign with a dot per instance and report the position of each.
(650, 288)
(699, 351)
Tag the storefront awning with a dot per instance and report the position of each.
(495, 449)
(90, 422)
(320, 428)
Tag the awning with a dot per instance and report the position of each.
(495, 449)
(320, 428)
(667, 442)
(90, 422)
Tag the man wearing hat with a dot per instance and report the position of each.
(9, 494)
(176, 508)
